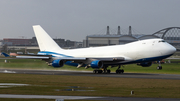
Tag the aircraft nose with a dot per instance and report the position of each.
(172, 49)
(168, 50)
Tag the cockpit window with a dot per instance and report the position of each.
(162, 41)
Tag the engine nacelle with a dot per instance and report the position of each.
(145, 64)
(58, 63)
(97, 64)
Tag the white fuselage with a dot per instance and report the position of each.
(132, 51)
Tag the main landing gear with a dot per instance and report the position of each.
(101, 71)
(107, 71)
(119, 71)
(159, 67)
(104, 70)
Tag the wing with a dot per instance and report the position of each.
(27, 56)
(80, 61)
(47, 57)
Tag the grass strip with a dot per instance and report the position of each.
(168, 68)
(101, 86)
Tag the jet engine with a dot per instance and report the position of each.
(97, 64)
(58, 63)
(145, 64)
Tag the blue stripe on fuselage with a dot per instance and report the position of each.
(151, 59)
(52, 53)
(154, 58)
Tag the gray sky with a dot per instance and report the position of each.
(75, 19)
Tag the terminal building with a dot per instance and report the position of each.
(171, 35)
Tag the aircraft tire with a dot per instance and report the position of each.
(159, 67)
(122, 71)
(108, 71)
(100, 71)
(119, 71)
(94, 71)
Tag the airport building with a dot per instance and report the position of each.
(171, 35)
(8, 44)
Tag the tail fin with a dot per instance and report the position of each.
(45, 42)
(6, 55)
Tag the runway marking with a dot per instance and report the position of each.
(6, 71)
(46, 97)
(8, 85)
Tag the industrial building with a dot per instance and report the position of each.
(171, 35)
(8, 44)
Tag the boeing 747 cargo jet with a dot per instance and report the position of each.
(99, 58)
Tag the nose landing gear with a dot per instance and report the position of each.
(159, 67)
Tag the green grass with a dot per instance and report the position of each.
(168, 68)
(103, 86)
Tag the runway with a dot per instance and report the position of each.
(84, 97)
(87, 73)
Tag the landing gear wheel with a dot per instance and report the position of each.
(119, 71)
(100, 71)
(122, 71)
(159, 67)
(108, 71)
(94, 71)
(97, 71)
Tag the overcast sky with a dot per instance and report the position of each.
(75, 19)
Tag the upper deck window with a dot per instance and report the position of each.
(162, 41)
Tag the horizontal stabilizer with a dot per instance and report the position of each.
(6, 55)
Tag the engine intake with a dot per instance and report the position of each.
(58, 63)
(97, 64)
(145, 64)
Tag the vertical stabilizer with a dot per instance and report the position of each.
(45, 42)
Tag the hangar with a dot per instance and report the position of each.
(115, 39)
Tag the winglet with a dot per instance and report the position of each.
(6, 55)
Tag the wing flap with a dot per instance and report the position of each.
(111, 59)
(32, 57)
(72, 58)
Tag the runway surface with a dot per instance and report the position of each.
(86, 73)
(85, 97)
